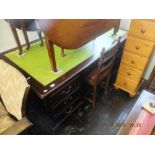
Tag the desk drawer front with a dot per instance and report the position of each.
(126, 84)
(144, 29)
(67, 113)
(135, 61)
(130, 72)
(139, 46)
(63, 92)
(66, 103)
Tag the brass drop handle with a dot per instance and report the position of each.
(69, 89)
(128, 73)
(132, 62)
(142, 31)
(69, 110)
(137, 47)
(68, 99)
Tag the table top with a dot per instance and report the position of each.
(135, 112)
(96, 46)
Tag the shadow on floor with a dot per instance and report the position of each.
(110, 112)
(105, 119)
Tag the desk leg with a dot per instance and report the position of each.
(51, 54)
(14, 31)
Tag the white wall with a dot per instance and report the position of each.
(125, 24)
(7, 40)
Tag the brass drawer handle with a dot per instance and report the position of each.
(128, 73)
(69, 89)
(142, 31)
(68, 99)
(132, 62)
(137, 47)
(69, 110)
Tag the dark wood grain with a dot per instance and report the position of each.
(135, 112)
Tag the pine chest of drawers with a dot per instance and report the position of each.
(138, 49)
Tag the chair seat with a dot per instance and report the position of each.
(92, 76)
(5, 120)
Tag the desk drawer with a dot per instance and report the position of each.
(126, 84)
(135, 61)
(67, 113)
(63, 92)
(144, 29)
(65, 104)
(139, 46)
(130, 72)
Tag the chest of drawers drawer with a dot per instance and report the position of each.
(136, 55)
(144, 29)
(130, 73)
(139, 46)
(133, 60)
(62, 93)
(126, 84)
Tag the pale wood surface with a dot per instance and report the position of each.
(18, 127)
(130, 72)
(134, 60)
(137, 52)
(139, 46)
(144, 29)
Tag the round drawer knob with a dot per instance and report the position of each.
(137, 47)
(128, 73)
(132, 62)
(125, 84)
(142, 31)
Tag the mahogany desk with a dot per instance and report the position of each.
(63, 96)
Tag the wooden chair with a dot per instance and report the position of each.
(24, 25)
(13, 93)
(102, 72)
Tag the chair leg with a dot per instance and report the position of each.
(14, 31)
(107, 85)
(25, 35)
(62, 52)
(40, 37)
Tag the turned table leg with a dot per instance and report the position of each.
(51, 54)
